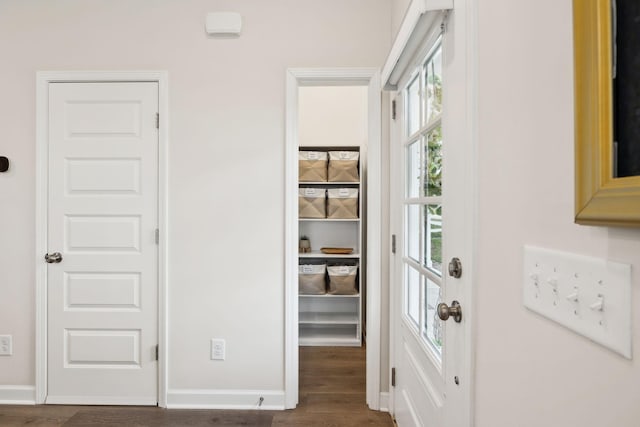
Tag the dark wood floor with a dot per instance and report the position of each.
(332, 393)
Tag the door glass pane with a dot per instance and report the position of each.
(413, 106)
(433, 79)
(413, 169)
(433, 327)
(413, 294)
(433, 163)
(412, 232)
(433, 238)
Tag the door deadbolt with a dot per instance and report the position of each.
(455, 268)
(455, 311)
(55, 257)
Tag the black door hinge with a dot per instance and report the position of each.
(157, 352)
(393, 377)
(393, 243)
(393, 109)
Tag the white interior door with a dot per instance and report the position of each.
(433, 225)
(102, 278)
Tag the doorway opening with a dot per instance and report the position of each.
(333, 226)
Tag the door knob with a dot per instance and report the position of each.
(55, 257)
(455, 311)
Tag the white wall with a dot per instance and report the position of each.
(226, 158)
(398, 9)
(332, 115)
(530, 371)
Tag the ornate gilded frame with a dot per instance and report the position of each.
(600, 199)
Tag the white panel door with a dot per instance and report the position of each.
(102, 216)
(432, 209)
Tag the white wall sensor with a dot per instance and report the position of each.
(224, 23)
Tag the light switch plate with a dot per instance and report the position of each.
(591, 296)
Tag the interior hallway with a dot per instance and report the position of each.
(332, 393)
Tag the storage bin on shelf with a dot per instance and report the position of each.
(312, 166)
(312, 279)
(343, 166)
(312, 203)
(342, 279)
(342, 203)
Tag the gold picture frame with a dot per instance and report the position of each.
(600, 199)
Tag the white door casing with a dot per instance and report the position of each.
(103, 212)
(369, 77)
(430, 391)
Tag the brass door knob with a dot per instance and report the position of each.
(455, 311)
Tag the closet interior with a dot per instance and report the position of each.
(332, 154)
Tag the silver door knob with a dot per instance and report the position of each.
(455, 311)
(55, 257)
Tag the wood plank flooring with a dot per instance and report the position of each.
(332, 394)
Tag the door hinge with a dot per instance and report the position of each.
(393, 243)
(157, 120)
(393, 109)
(393, 377)
(157, 352)
(157, 236)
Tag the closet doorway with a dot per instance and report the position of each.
(333, 198)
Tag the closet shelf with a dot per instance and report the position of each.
(303, 183)
(318, 254)
(329, 296)
(329, 219)
(325, 318)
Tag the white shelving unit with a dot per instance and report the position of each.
(332, 320)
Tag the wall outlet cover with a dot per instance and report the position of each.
(218, 349)
(6, 345)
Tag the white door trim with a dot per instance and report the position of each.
(369, 77)
(43, 79)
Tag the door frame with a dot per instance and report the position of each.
(43, 80)
(295, 78)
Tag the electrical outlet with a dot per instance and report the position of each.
(217, 349)
(6, 345)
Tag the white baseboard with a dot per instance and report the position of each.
(17, 395)
(225, 399)
(102, 400)
(384, 401)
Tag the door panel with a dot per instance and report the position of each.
(432, 205)
(102, 217)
